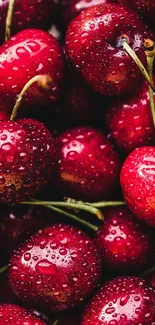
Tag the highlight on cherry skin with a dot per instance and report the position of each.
(77, 162)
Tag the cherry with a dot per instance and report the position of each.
(71, 9)
(137, 181)
(4, 116)
(88, 166)
(13, 314)
(19, 222)
(27, 156)
(126, 245)
(94, 46)
(40, 15)
(145, 8)
(28, 53)
(55, 269)
(129, 120)
(122, 301)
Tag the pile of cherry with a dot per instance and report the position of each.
(77, 162)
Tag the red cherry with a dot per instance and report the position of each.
(56, 268)
(88, 167)
(40, 15)
(30, 52)
(129, 120)
(27, 158)
(94, 46)
(137, 182)
(13, 315)
(125, 244)
(122, 301)
(145, 8)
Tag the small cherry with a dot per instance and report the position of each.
(13, 315)
(126, 245)
(137, 181)
(30, 52)
(94, 46)
(129, 120)
(55, 269)
(122, 301)
(88, 166)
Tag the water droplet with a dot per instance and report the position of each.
(27, 256)
(45, 267)
(110, 310)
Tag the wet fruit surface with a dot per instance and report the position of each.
(26, 159)
(88, 166)
(137, 180)
(145, 8)
(94, 47)
(13, 315)
(126, 245)
(56, 269)
(122, 301)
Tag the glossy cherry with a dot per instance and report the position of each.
(126, 245)
(122, 301)
(40, 15)
(144, 8)
(30, 52)
(94, 47)
(13, 315)
(27, 157)
(55, 269)
(88, 166)
(137, 181)
(129, 120)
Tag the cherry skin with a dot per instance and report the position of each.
(126, 245)
(30, 52)
(122, 301)
(4, 116)
(88, 167)
(40, 14)
(137, 181)
(13, 315)
(27, 157)
(129, 120)
(144, 8)
(19, 222)
(55, 269)
(94, 47)
(71, 9)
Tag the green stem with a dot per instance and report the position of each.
(141, 67)
(9, 19)
(79, 206)
(148, 272)
(3, 269)
(67, 214)
(108, 204)
(44, 81)
(55, 322)
(150, 61)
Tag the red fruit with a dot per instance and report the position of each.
(122, 301)
(137, 181)
(151, 279)
(145, 8)
(56, 268)
(18, 223)
(4, 116)
(125, 244)
(40, 15)
(13, 315)
(129, 120)
(27, 158)
(94, 46)
(88, 166)
(71, 9)
(29, 53)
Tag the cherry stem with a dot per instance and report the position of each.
(77, 205)
(55, 322)
(9, 19)
(67, 214)
(150, 55)
(3, 269)
(108, 204)
(148, 272)
(141, 67)
(44, 81)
